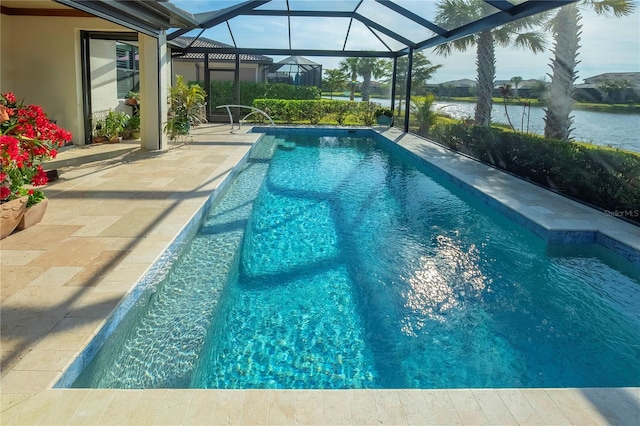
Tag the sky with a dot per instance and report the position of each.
(607, 44)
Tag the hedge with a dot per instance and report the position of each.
(315, 111)
(602, 177)
(223, 92)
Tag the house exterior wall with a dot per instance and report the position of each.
(185, 69)
(193, 71)
(42, 64)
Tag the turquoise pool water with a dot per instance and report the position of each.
(333, 262)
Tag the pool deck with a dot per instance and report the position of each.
(115, 209)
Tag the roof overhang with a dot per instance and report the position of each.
(149, 17)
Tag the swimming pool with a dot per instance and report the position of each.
(358, 266)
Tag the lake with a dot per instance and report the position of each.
(600, 128)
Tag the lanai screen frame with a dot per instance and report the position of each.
(507, 12)
(159, 16)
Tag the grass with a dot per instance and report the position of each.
(348, 93)
(588, 106)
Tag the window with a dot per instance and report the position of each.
(128, 67)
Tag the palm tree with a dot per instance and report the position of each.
(350, 66)
(421, 72)
(368, 67)
(539, 90)
(565, 26)
(516, 81)
(453, 13)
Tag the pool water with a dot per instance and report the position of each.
(333, 262)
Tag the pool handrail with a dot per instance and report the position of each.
(254, 111)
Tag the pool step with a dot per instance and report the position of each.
(285, 144)
(159, 340)
(264, 149)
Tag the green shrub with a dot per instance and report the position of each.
(605, 178)
(367, 112)
(223, 92)
(422, 112)
(316, 111)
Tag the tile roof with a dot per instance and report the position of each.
(208, 43)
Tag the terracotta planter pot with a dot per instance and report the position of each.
(10, 214)
(33, 215)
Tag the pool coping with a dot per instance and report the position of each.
(463, 406)
(578, 223)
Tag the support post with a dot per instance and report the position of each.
(393, 84)
(207, 84)
(408, 94)
(85, 54)
(236, 79)
(154, 79)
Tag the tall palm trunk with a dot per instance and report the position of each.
(354, 75)
(366, 86)
(486, 64)
(557, 119)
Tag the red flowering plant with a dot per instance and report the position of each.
(27, 138)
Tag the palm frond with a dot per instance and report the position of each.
(455, 13)
(533, 41)
(609, 8)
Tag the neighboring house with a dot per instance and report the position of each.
(466, 87)
(592, 88)
(633, 77)
(590, 91)
(523, 91)
(221, 65)
(454, 88)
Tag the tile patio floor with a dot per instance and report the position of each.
(114, 210)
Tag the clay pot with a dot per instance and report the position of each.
(10, 214)
(33, 215)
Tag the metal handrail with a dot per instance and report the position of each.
(254, 111)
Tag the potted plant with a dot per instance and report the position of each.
(27, 138)
(132, 98)
(384, 116)
(133, 126)
(114, 124)
(98, 132)
(186, 108)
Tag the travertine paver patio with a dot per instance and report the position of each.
(112, 213)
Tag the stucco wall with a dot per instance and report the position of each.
(185, 69)
(188, 69)
(41, 64)
(5, 43)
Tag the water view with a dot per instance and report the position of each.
(600, 128)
